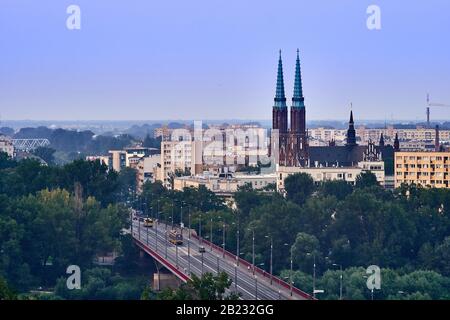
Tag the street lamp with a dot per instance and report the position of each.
(200, 228)
(235, 277)
(173, 205)
(340, 279)
(271, 257)
(211, 233)
(181, 218)
(253, 249)
(256, 287)
(290, 272)
(314, 271)
(166, 243)
(223, 239)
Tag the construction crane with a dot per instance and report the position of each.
(429, 105)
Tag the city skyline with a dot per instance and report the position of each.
(159, 61)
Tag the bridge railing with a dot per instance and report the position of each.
(258, 270)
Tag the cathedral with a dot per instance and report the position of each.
(289, 143)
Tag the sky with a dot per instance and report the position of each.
(217, 59)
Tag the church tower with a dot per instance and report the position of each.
(279, 111)
(298, 137)
(351, 132)
(279, 137)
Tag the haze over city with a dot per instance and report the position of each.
(218, 59)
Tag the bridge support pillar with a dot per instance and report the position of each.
(163, 279)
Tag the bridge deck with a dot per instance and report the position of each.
(186, 259)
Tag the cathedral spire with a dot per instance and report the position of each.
(298, 100)
(280, 97)
(351, 133)
(381, 140)
(396, 143)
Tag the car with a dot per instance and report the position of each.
(201, 249)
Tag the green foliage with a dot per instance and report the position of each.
(102, 284)
(44, 233)
(46, 154)
(365, 180)
(5, 292)
(150, 142)
(208, 287)
(299, 187)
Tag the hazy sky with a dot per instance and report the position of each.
(217, 59)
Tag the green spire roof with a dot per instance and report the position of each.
(298, 101)
(280, 97)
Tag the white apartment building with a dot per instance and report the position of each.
(418, 136)
(6, 146)
(320, 174)
(194, 152)
(225, 184)
(147, 168)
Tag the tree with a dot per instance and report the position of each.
(208, 287)
(443, 256)
(366, 179)
(299, 187)
(337, 188)
(305, 250)
(5, 292)
(46, 154)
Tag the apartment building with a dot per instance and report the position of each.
(419, 139)
(321, 174)
(129, 157)
(6, 146)
(225, 184)
(429, 169)
(147, 169)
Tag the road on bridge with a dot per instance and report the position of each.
(188, 258)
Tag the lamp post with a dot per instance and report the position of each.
(290, 272)
(173, 205)
(340, 279)
(139, 228)
(181, 218)
(200, 229)
(211, 233)
(156, 227)
(235, 277)
(256, 287)
(237, 245)
(271, 257)
(314, 271)
(253, 249)
(223, 239)
(166, 244)
(176, 256)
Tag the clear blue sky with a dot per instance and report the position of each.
(217, 59)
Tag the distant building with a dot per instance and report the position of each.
(428, 169)
(225, 184)
(129, 157)
(191, 153)
(103, 159)
(371, 162)
(6, 146)
(147, 170)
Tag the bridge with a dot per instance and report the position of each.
(188, 258)
(29, 144)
